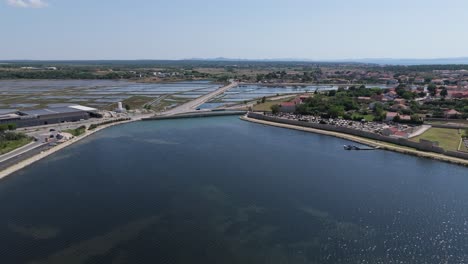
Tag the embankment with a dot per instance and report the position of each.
(342, 133)
(42, 152)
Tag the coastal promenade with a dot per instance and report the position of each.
(365, 141)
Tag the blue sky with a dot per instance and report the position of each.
(255, 29)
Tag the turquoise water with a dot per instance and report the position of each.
(221, 190)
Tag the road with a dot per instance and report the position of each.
(192, 105)
(19, 151)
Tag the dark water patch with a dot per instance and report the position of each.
(220, 190)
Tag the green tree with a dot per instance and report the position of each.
(127, 107)
(275, 108)
(444, 92)
(432, 88)
(260, 77)
(263, 99)
(336, 111)
(3, 128)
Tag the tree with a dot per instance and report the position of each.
(127, 107)
(336, 111)
(332, 93)
(263, 99)
(260, 77)
(275, 108)
(432, 88)
(378, 109)
(443, 92)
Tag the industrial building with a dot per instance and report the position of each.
(53, 115)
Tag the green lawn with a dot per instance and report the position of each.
(448, 139)
(9, 145)
(266, 107)
(76, 132)
(368, 118)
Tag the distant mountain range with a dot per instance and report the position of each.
(378, 61)
(384, 61)
(381, 61)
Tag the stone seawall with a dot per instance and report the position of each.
(359, 133)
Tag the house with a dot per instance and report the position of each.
(394, 132)
(397, 107)
(364, 99)
(458, 94)
(391, 94)
(287, 107)
(405, 118)
(304, 97)
(390, 116)
(419, 80)
(438, 81)
(377, 97)
(452, 113)
(400, 101)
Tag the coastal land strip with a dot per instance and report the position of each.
(39, 156)
(364, 141)
(370, 142)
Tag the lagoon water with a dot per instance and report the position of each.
(221, 190)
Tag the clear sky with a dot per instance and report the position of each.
(255, 29)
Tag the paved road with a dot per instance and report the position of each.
(192, 105)
(19, 151)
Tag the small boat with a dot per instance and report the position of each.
(351, 147)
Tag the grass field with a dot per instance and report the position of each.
(9, 145)
(448, 139)
(76, 132)
(266, 107)
(138, 101)
(368, 118)
(449, 122)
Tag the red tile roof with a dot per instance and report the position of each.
(288, 104)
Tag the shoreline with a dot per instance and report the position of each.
(364, 141)
(25, 163)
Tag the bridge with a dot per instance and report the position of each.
(193, 104)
